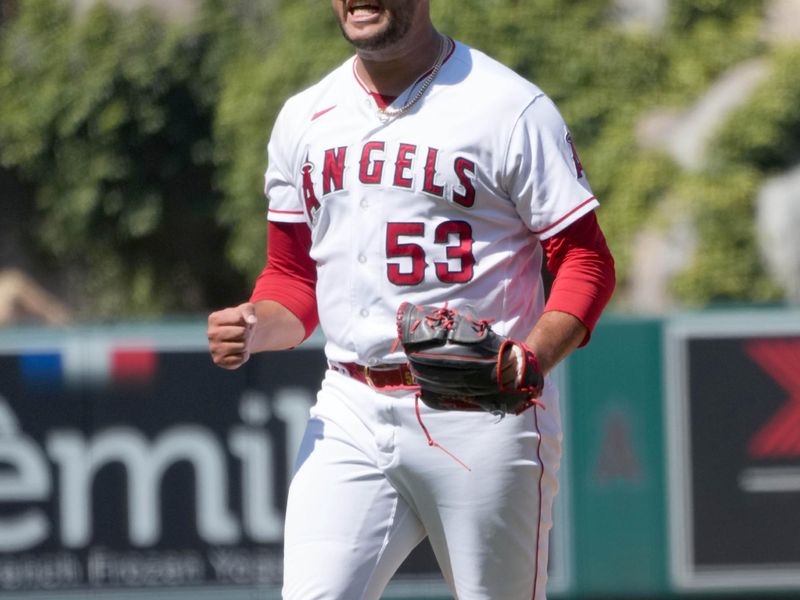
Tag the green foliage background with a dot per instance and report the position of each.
(132, 149)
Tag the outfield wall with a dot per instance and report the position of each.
(132, 468)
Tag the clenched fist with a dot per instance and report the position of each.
(229, 335)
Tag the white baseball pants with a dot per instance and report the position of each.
(368, 488)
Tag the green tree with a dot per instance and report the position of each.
(106, 118)
(765, 132)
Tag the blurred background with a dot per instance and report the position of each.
(132, 149)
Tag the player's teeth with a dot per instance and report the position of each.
(363, 9)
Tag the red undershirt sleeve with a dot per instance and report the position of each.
(290, 275)
(583, 271)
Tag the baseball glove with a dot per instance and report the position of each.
(457, 359)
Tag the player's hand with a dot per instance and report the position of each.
(229, 334)
(510, 366)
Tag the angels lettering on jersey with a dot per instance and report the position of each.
(399, 166)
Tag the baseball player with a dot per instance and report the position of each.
(423, 172)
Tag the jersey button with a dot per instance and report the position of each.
(364, 203)
(362, 259)
(364, 312)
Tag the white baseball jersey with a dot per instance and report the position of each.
(445, 204)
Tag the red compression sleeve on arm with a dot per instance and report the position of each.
(583, 269)
(290, 275)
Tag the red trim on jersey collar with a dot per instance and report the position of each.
(384, 101)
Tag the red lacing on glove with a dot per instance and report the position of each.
(528, 403)
(443, 316)
(481, 325)
(431, 441)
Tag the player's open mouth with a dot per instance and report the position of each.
(361, 8)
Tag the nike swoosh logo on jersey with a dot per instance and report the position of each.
(317, 115)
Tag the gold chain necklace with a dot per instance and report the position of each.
(384, 114)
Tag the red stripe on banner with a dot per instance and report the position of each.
(133, 364)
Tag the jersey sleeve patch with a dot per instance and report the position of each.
(575, 158)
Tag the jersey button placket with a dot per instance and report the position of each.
(362, 260)
(361, 257)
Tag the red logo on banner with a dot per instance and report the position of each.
(780, 437)
(133, 364)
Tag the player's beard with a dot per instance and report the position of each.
(398, 26)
